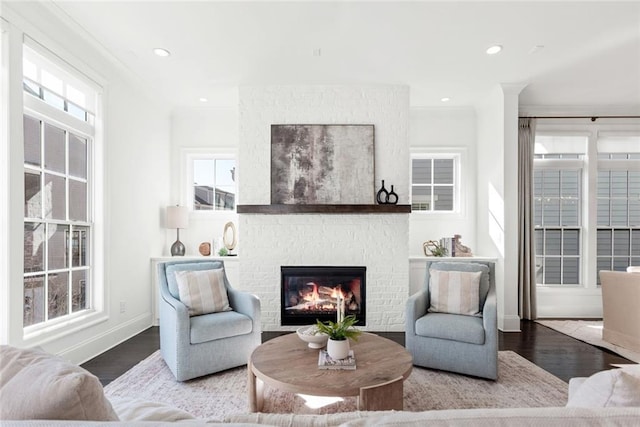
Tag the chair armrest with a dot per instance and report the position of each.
(178, 306)
(244, 303)
(416, 307)
(490, 317)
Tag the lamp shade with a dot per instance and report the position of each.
(177, 217)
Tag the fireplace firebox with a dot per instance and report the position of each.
(310, 293)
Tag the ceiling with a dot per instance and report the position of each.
(588, 54)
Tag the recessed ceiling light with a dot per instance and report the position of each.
(494, 49)
(161, 52)
(445, 99)
(203, 100)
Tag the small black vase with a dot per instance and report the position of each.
(392, 197)
(382, 195)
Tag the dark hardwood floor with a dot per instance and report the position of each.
(554, 352)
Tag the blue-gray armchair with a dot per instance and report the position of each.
(453, 342)
(204, 344)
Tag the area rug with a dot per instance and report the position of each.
(589, 331)
(520, 384)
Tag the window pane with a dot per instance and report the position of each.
(603, 184)
(421, 171)
(443, 198)
(80, 247)
(620, 264)
(79, 289)
(32, 195)
(32, 141)
(603, 212)
(571, 242)
(621, 242)
(77, 156)
(539, 234)
(552, 243)
(619, 212)
(443, 171)
(552, 271)
(421, 198)
(537, 183)
(537, 211)
(77, 200)
(203, 172)
(77, 112)
(570, 212)
(225, 172)
(551, 211)
(55, 198)
(54, 148)
(58, 298)
(225, 198)
(33, 247)
(58, 235)
(539, 270)
(618, 184)
(634, 212)
(570, 183)
(551, 183)
(570, 271)
(203, 197)
(33, 311)
(604, 242)
(635, 242)
(604, 263)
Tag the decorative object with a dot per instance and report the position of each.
(382, 195)
(521, 385)
(339, 333)
(205, 248)
(322, 164)
(312, 336)
(455, 292)
(203, 291)
(177, 217)
(229, 236)
(223, 252)
(327, 362)
(433, 248)
(460, 249)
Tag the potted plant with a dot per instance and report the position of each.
(339, 334)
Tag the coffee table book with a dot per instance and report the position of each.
(326, 362)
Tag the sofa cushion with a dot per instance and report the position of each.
(456, 292)
(37, 385)
(203, 291)
(451, 327)
(171, 269)
(485, 282)
(614, 387)
(216, 326)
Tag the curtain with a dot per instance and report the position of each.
(526, 238)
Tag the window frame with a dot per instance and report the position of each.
(188, 155)
(92, 129)
(455, 154)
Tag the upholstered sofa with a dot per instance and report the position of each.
(37, 389)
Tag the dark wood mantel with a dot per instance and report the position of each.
(322, 209)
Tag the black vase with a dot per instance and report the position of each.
(392, 197)
(382, 195)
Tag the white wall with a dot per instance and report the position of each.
(446, 130)
(497, 203)
(376, 241)
(201, 129)
(136, 160)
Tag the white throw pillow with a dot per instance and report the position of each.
(37, 385)
(456, 292)
(203, 291)
(615, 387)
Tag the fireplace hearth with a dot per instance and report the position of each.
(310, 293)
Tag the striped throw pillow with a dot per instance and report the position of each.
(456, 292)
(203, 291)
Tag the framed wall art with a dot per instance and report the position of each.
(322, 164)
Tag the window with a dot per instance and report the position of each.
(58, 191)
(618, 203)
(434, 182)
(562, 194)
(212, 182)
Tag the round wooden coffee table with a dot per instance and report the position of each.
(287, 363)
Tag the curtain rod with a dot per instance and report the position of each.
(592, 118)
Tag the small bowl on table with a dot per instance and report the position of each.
(312, 336)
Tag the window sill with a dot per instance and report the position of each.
(38, 335)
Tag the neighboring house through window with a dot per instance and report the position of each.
(211, 181)
(435, 182)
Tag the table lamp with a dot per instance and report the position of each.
(177, 217)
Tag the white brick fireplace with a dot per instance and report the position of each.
(377, 241)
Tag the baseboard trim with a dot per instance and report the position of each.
(96, 345)
(509, 323)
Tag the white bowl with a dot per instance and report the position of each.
(314, 340)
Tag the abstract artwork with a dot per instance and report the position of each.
(322, 164)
